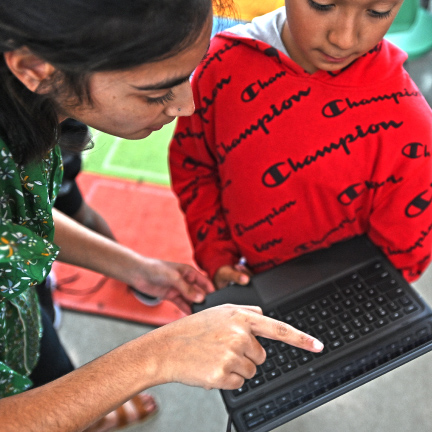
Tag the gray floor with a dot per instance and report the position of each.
(396, 402)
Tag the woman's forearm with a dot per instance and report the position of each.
(84, 248)
(215, 348)
(73, 402)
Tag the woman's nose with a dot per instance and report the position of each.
(183, 103)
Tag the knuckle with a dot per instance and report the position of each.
(235, 382)
(262, 356)
(304, 338)
(251, 373)
(282, 329)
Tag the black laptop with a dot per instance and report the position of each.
(351, 298)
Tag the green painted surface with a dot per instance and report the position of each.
(143, 160)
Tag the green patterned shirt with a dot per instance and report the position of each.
(27, 195)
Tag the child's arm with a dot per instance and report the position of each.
(195, 180)
(401, 218)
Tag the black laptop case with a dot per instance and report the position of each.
(351, 298)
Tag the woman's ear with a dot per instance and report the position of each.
(28, 68)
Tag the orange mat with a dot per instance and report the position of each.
(147, 219)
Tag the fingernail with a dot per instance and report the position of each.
(318, 345)
(244, 279)
(199, 298)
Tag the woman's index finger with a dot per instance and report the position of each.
(278, 330)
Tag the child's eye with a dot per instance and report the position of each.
(380, 15)
(318, 6)
(162, 100)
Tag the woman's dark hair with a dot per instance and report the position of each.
(80, 37)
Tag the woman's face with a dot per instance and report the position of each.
(331, 34)
(134, 103)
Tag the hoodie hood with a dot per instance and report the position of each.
(264, 34)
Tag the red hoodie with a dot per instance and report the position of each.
(276, 162)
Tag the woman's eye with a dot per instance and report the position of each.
(162, 100)
(376, 14)
(318, 6)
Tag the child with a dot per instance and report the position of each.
(307, 131)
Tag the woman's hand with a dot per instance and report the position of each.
(179, 283)
(217, 348)
(227, 274)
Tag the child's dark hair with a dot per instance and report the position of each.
(80, 37)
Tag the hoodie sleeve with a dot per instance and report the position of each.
(196, 182)
(401, 218)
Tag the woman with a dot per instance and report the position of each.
(122, 68)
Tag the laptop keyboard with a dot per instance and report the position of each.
(285, 402)
(355, 306)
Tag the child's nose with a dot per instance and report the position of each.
(344, 35)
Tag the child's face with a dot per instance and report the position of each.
(330, 34)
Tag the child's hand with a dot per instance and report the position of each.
(226, 275)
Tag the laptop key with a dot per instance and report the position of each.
(378, 278)
(381, 312)
(271, 351)
(396, 293)
(393, 307)
(387, 285)
(357, 311)
(282, 346)
(294, 353)
(345, 329)
(369, 318)
(369, 306)
(381, 322)
(268, 366)
(289, 319)
(274, 374)
(324, 314)
(357, 324)
(345, 317)
(240, 391)
(289, 366)
(332, 335)
(300, 314)
(299, 392)
(359, 287)
(255, 421)
(380, 300)
(333, 323)
(253, 413)
(320, 329)
(269, 406)
(313, 308)
(351, 337)
(411, 308)
(281, 359)
(367, 329)
(405, 300)
(282, 400)
(336, 344)
(325, 302)
(256, 382)
(306, 358)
